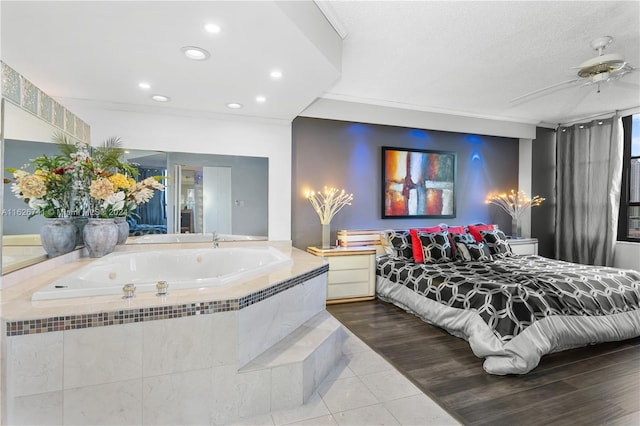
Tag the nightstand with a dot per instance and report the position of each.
(524, 246)
(352, 273)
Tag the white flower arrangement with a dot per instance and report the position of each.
(328, 202)
(514, 203)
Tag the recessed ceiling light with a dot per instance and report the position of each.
(212, 28)
(234, 105)
(144, 85)
(160, 98)
(276, 74)
(261, 99)
(582, 126)
(195, 53)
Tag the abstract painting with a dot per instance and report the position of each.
(418, 183)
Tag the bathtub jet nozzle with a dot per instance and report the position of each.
(129, 291)
(162, 287)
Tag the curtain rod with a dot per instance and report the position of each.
(588, 118)
(624, 112)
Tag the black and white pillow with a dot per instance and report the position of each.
(436, 247)
(473, 251)
(397, 244)
(497, 243)
(468, 249)
(462, 238)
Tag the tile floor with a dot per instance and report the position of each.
(363, 389)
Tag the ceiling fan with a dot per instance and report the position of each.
(599, 69)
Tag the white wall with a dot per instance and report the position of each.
(627, 255)
(525, 152)
(220, 134)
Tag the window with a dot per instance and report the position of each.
(629, 223)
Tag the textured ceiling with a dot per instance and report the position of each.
(467, 58)
(472, 58)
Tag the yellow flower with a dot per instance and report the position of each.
(42, 174)
(120, 181)
(101, 188)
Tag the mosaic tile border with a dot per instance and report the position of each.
(126, 316)
(30, 98)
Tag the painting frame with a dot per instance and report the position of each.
(418, 183)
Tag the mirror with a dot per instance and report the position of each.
(204, 193)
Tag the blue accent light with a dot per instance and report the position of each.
(358, 129)
(474, 139)
(419, 134)
(475, 185)
(359, 173)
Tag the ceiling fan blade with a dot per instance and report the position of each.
(544, 89)
(627, 84)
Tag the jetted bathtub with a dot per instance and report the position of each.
(191, 238)
(180, 268)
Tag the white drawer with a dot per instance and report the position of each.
(525, 249)
(345, 291)
(349, 262)
(348, 276)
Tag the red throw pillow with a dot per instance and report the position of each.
(475, 231)
(416, 245)
(457, 230)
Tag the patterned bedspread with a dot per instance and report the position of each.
(512, 293)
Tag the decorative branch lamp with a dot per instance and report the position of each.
(515, 204)
(327, 203)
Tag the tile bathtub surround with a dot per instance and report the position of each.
(125, 375)
(16, 304)
(47, 356)
(101, 319)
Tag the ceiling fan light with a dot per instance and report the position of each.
(603, 63)
(597, 78)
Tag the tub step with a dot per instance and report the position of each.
(300, 361)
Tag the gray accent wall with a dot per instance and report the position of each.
(543, 183)
(347, 155)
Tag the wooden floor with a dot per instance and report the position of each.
(594, 385)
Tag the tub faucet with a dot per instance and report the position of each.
(216, 240)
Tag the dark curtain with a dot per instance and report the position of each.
(154, 212)
(589, 174)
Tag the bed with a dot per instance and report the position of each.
(511, 309)
(137, 229)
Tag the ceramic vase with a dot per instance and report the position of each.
(123, 229)
(100, 236)
(58, 236)
(79, 222)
